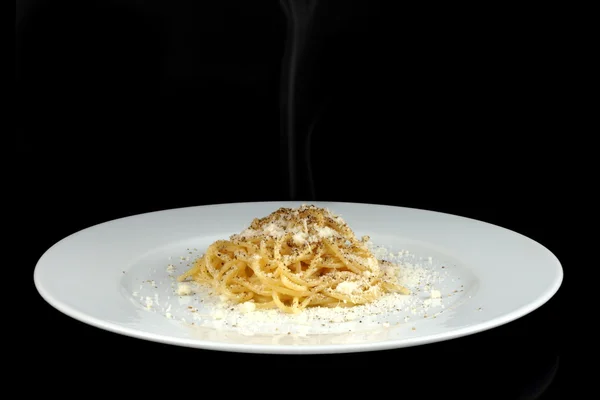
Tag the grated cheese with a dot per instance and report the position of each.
(184, 289)
(247, 307)
(347, 287)
(199, 305)
(325, 232)
(299, 238)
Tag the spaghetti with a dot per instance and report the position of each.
(292, 259)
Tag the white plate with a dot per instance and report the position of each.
(115, 276)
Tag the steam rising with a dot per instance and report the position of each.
(299, 15)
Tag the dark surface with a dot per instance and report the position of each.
(129, 107)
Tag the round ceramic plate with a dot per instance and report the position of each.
(465, 276)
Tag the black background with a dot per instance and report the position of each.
(126, 107)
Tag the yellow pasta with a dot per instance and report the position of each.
(292, 259)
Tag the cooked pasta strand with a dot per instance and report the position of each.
(292, 259)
